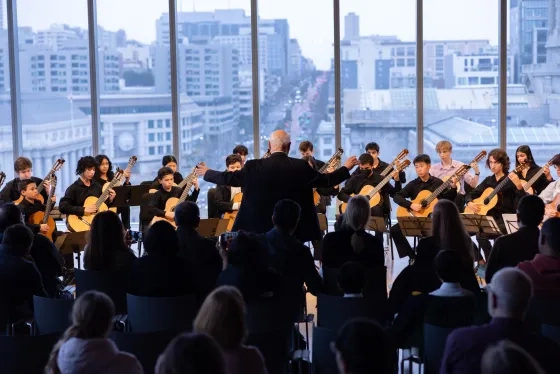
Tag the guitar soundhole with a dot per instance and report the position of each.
(424, 203)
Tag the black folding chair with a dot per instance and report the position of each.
(148, 314)
(26, 354)
(114, 284)
(334, 311)
(51, 315)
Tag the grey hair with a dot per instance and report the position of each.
(279, 139)
(514, 290)
(357, 217)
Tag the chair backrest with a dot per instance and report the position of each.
(51, 315)
(144, 202)
(543, 310)
(434, 345)
(145, 346)
(324, 361)
(334, 311)
(330, 281)
(211, 199)
(551, 331)
(26, 354)
(112, 283)
(148, 314)
(450, 311)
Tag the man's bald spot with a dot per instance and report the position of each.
(278, 140)
(513, 286)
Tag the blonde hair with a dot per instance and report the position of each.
(444, 145)
(222, 316)
(449, 231)
(357, 217)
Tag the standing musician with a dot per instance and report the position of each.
(242, 151)
(24, 169)
(224, 194)
(104, 174)
(31, 205)
(84, 187)
(169, 161)
(267, 181)
(425, 181)
(508, 197)
(552, 190)
(306, 149)
(447, 167)
(524, 154)
(366, 177)
(166, 190)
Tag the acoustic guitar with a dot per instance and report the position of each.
(172, 202)
(395, 162)
(83, 223)
(2, 178)
(332, 162)
(489, 198)
(44, 218)
(528, 186)
(373, 193)
(56, 167)
(131, 162)
(554, 205)
(477, 159)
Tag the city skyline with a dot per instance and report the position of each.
(396, 18)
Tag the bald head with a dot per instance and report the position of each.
(279, 141)
(511, 291)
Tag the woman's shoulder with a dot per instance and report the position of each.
(250, 356)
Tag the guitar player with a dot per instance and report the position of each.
(552, 190)
(306, 149)
(24, 170)
(498, 162)
(224, 194)
(366, 177)
(31, 205)
(424, 181)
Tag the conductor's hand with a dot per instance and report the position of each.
(201, 169)
(351, 162)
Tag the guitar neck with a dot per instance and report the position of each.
(105, 193)
(434, 195)
(185, 193)
(387, 170)
(379, 187)
(534, 179)
(501, 185)
(48, 209)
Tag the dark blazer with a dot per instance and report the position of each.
(510, 250)
(266, 181)
(161, 276)
(222, 200)
(465, 346)
(337, 250)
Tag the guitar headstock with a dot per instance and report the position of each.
(338, 153)
(400, 156)
(53, 179)
(520, 167)
(480, 156)
(403, 165)
(462, 170)
(57, 165)
(2, 178)
(118, 174)
(132, 161)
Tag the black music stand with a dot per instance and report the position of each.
(377, 224)
(212, 227)
(72, 242)
(510, 221)
(127, 196)
(418, 227)
(479, 224)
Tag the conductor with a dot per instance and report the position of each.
(267, 181)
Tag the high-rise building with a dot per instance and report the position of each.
(1, 14)
(351, 26)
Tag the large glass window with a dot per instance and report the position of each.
(461, 61)
(54, 80)
(6, 146)
(533, 106)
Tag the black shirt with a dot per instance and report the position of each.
(508, 197)
(357, 181)
(76, 195)
(28, 209)
(413, 188)
(11, 192)
(156, 208)
(540, 184)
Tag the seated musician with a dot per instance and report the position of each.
(425, 181)
(447, 167)
(24, 170)
(498, 162)
(31, 205)
(379, 166)
(367, 177)
(524, 154)
(169, 161)
(242, 151)
(166, 190)
(84, 187)
(104, 174)
(306, 149)
(552, 190)
(224, 194)
(325, 194)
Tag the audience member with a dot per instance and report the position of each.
(448, 232)
(85, 347)
(544, 269)
(352, 279)
(506, 357)
(19, 278)
(448, 268)
(246, 267)
(192, 353)
(509, 295)
(45, 255)
(352, 242)
(364, 347)
(522, 245)
(107, 249)
(161, 272)
(222, 316)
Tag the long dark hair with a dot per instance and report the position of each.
(527, 151)
(110, 174)
(92, 314)
(106, 237)
(449, 231)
